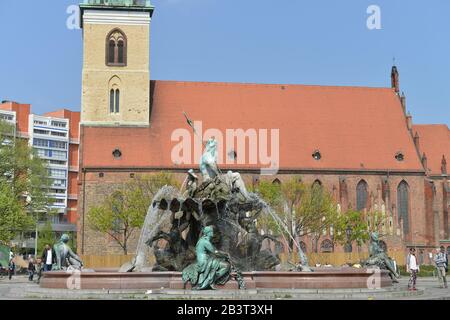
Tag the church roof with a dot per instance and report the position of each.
(435, 142)
(353, 128)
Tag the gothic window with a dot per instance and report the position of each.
(116, 48)
(403, 205)
(111, 51)
(114, 94)
(326, 246)
(361, 195)
(317, 184)
(117, 101)
(111, 101)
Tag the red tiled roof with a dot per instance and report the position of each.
(434, 140)
(354, 128)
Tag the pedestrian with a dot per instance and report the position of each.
(31, 269)
(11, 268)
(412, 266)
(48, 257)
(39, 267)
(440, 259)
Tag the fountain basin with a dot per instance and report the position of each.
(323, 278)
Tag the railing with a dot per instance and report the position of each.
(122, 3)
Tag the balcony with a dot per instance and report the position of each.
(118, 3)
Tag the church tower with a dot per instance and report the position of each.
(116, 70)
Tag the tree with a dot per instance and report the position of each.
(305, 209)
(355, 222)
(23, 184)
(123, 212)
(13, 216)
(46, 236)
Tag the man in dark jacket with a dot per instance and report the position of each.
(48, 257)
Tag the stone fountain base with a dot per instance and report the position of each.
(324, 278)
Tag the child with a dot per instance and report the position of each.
(39, 268)
(31, 269)
(11, 268)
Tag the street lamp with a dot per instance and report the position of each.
(348, 245)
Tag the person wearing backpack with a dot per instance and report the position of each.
(441, 261)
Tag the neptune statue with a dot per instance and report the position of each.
(208, 164)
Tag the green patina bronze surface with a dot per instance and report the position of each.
(211, 267)
(65, 257)
(378, 257)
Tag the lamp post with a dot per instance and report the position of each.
(348, 245)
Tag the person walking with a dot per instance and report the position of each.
(11, 268)
(440, 259)
(39, 267)
(48, 257)
(412, 266)
(31, 269)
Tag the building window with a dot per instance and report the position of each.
(40, 143)
(361, 195)
(59, 124)
(6, 117)
(58, 144)
(317, 155)
(59, 134)
(116, 48)
(38, 131)
(114, 100)
(399, 156)
(111, 51)
(117, 101)
(317, 185)
(117, 154)
(403, 205)
(326, 246)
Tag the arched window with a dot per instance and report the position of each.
(326, 246)
(116, 48)
(112, 106)
(361, 195)
(111, 51)
(120, 46)
(403, 205)
(317, 184)
(117, 101)
(114, 94)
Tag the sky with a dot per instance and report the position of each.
(320, 42)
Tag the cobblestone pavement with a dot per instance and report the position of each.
(428, 289)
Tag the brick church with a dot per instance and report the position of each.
(357, 142)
